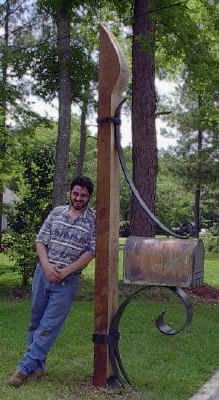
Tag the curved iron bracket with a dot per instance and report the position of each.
(114, 335)
(117, 122)
(165, 328)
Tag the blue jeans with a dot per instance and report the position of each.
(51, 303)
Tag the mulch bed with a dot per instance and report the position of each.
(205, 292)
(92, 393)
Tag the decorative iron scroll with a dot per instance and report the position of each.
(164, 328)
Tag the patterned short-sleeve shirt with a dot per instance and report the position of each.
(67, 238)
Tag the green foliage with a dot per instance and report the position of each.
(214, 229)
(90, 161)
(45, 69)
(188, 48)
(23, 253)
(125, 192)
(173, 202)
(36, 159)
(38, 167)
(6, 266)
(16, 118)
(211, 243)
(44, 53)
(195, 158)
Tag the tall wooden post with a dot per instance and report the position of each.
(113, 79)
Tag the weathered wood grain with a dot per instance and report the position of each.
(113, 79)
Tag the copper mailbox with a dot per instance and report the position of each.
(163, 262)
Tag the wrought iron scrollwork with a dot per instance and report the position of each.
(166, 329)
(120, 373)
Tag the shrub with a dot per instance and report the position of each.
(22, 251)
(211, 243)
(31, 210)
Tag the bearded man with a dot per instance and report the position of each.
(65, 245)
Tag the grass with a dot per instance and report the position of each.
(211, 275)
(161, 367)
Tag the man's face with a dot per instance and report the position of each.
(79, 198)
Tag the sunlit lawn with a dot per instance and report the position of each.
(161, 367)
(211, 274)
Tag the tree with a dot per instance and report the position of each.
(195, 153)
(173, 46)
(90, 156)
(143, 115)
(4, 102)
(66, 68)
(174, 202)
(15, 115)
(83, 139)
(62, 19)
(195, 113)
(37, 158)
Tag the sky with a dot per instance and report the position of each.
(51, 111)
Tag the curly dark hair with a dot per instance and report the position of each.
(83, 181)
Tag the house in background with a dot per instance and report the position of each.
(9, 199)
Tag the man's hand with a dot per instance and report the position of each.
(62, 272)
(52, 273)
(50, 270)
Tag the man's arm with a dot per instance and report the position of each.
(49, 269)
(77, 265)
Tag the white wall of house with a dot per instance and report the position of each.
(9, 199)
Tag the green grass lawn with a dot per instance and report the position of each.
(211, 274)
(161, 367)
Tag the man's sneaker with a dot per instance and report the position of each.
(17, 379)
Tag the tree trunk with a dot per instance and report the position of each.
(197, 210)
(3, 104)
(144, 153)
(198, 185)
(83, 139)
(65, 99)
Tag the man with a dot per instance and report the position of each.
(65, 245)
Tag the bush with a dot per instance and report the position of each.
(32, 208)
(211, 243)
(22, 250)
(214, 229)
